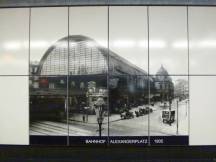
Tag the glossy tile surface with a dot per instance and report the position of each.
(91, 22)
(168, 40)
(202, 40)
(128, 97)
(14, 41)
(14, 116)
(202, 110)
(170, 93)
(49, 29)
(48, 106)
(128, 36)
(65, 81)
(88, 64)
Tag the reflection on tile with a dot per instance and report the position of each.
(86, 56)
(88, 64)
(168, 40)
(48, 44)
(202, 40)
(90, 22)
(86, 99)
(128, 35)
(14, 41)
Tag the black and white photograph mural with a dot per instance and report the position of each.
(48, 74)
(168, 65)
(107, 75)
(86, 86)
(68, 83)
(128, 65)
(82, 85)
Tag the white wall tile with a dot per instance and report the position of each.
(202, 33)
(48, 25)
(128, 34)
(14, 41)
(14, 110)
(202, 110)
(168, 40)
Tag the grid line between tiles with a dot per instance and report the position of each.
(108, 61)
(188, 51)
(148, 25)
(67, 105)
(108, 99)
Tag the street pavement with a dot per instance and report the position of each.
(137, 126)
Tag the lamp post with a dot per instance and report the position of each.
(170, 96)
(177, 124)
(99, 109)
(186, 107)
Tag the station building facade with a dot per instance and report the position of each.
(73, 63)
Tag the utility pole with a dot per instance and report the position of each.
(177, 125)
(170, 97)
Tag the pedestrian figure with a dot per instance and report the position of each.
(83, 118)
(83, 111)
(86, 117)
